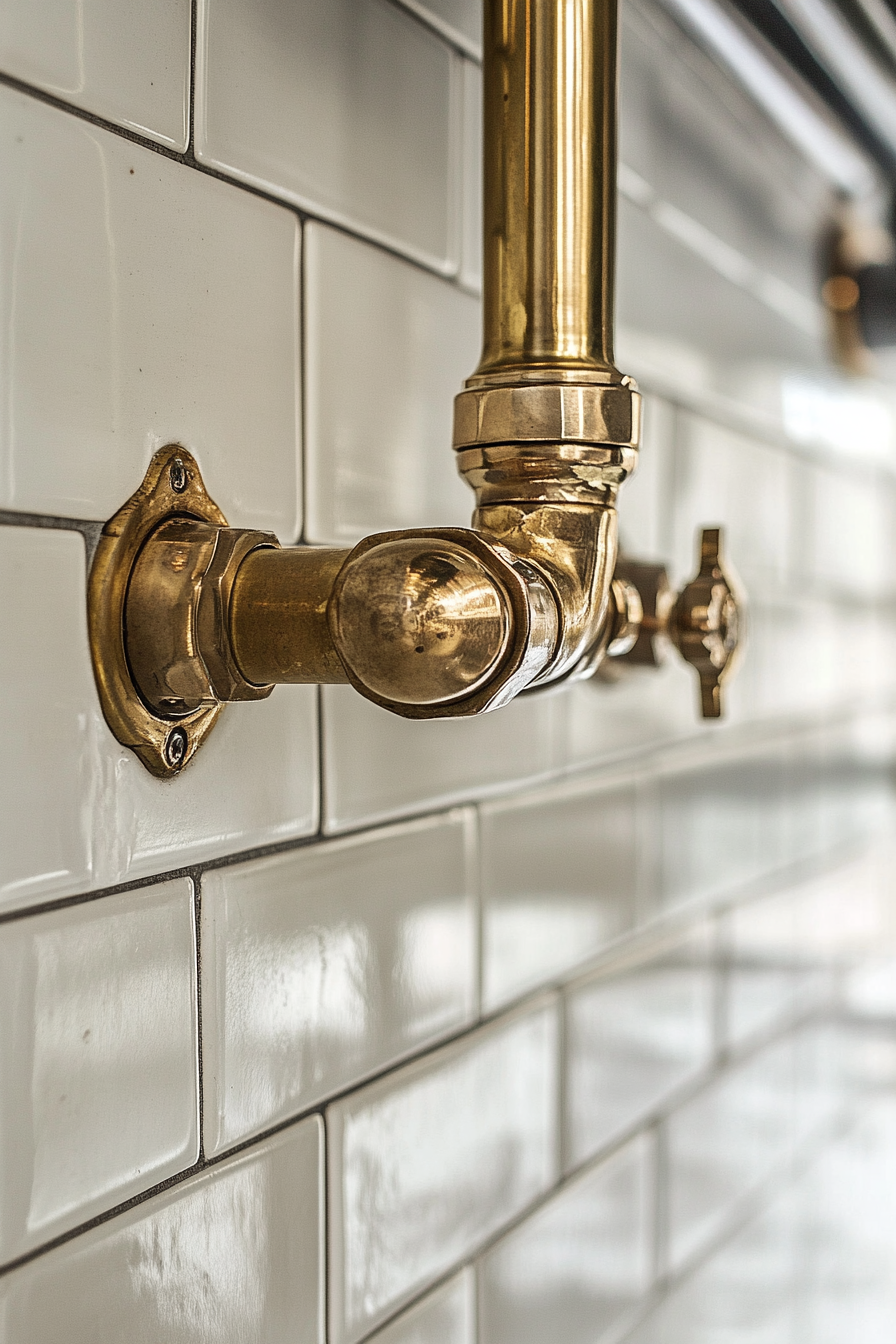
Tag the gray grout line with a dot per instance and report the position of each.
(197, 925)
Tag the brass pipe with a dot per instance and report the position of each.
(549, 83)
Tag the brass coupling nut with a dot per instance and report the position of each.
(564, 442)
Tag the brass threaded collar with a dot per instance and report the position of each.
(549, 413)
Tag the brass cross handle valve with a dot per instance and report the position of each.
(704, 621)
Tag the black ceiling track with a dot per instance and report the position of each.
(776, 28)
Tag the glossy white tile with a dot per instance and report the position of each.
(427, 1163)
(143, 303)
(645, 708)
(235, 1253)
(723, 824)
(127, 63)
(745, 1293)
(351, 110)
(633, 1037)
(815, 1266)
(387, 348)
(717, 289)
(253, 783)
(559, 882)
(579, 1266)
(470, 273)
(849, 532)
(459, 20)
(44, 741)
(770, 972)
(371, 944)
(445, 1316)
(377, 765)
(725, 478)
(98, 1058)
(645, 516)
(723, 1143)
(80, 811)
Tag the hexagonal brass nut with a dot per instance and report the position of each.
(587, 413)
(213, 613)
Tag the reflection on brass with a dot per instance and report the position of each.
(704, 624)
(704, 621)
(474, 626)
(278, 626)
(187, 613)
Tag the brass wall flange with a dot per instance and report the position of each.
(172, 487)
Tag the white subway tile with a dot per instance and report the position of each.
(80, 811)
(253, 783)
(470, 273)
(371, 944)
(233, 1254)
(723, 824)
(459, 20)
(378, 765)
(387, 348)
(770, 971)
(349, 108)
(427, 1163)
(722, 478)
(747, 1292)
(559, 882)
(98, 1058)
(647, 707)
(849, 547)
(127, 63)
(445, 1316)
(143, 303)
(645, 515)
(632, 1038)
(44, 736)
(817, 1266)
(579, 1266)
(722, 1144)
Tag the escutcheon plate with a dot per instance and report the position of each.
(172, 487)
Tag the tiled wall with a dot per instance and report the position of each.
(477, 1032)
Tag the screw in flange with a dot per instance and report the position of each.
(177, 475)
(176, 748)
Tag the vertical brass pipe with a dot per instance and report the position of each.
(549, 171)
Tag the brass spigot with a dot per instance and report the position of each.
(186, 613)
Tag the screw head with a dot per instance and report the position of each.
(176, 747)
(177, 475)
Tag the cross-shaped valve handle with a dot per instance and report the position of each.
(704, 622)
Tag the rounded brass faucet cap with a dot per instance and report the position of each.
(419, 620)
